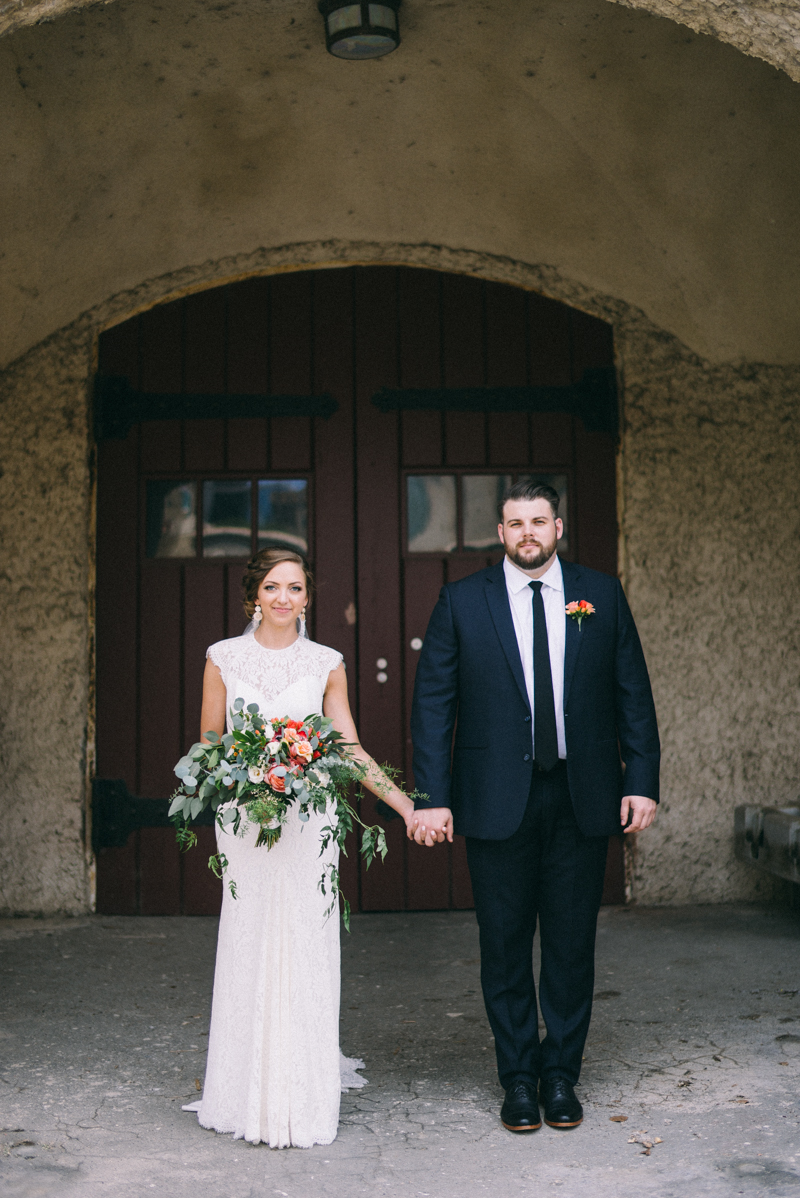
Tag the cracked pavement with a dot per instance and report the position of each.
(690, 1083)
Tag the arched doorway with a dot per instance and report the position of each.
(369, 414)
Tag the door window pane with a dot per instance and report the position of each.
(432, 524)
(559, 483)
(226, 518)
(171, 519)
(480, 495)
(283, 514)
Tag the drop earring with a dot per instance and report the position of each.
(301, 624)
(257, 616)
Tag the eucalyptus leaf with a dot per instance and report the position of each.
(196, 807)
(176, 805)
(229, 816)
(181, 771)
(212, 737)
(303, 816)
(190, 783)
(238, 704)
(252, 708)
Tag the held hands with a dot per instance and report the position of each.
(642, 812)
(432, 826)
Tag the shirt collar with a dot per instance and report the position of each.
(517, 581)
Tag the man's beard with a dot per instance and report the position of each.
(532, 563)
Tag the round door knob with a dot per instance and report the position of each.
(381, 663)
(382, 676)
(416, 643)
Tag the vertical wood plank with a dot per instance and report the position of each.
(423, 578)
(203, 625)
(421, 438)
(420, 349)
(333, 525)
(161, 348)
(378, 524)
(550, 341)
(461, 897)
(118, 351)
(204, 316)
(116, 879)
(204, 444)
(236, 620)
(248, 370)
(595, 455)
(464, 365)
(116, 608)
(551, 439)
(506, 366)
(159, 872)
(160, 716)
(201, 891)
(428, 873)
(291, 366)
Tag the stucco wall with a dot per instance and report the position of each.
(768, 30)
(709, 501)
(44, 630)
(630, 154)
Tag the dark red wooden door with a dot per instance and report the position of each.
(361, 475)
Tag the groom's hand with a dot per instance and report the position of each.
(642, 812)
(431, 826)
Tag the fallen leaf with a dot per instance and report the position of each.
(645, 1153)
(197, 1084)
(783, 1062)
(658, 1140)
(619, 1119)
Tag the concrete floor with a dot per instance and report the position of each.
(695, 1041)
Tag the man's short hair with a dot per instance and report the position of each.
(529, 488)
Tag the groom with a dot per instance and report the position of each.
(543, 706)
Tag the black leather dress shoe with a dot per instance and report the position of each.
(561, 1107)
(520, 1111)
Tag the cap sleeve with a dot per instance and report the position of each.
(217, 654)
(329, 660)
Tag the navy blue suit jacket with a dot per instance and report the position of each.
(470, 680)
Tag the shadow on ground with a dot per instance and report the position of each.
(690, 1082)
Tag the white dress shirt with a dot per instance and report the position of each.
(520, 597)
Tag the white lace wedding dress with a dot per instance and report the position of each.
(274, 1071)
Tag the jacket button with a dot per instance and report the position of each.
(527, 757)
(527, 719)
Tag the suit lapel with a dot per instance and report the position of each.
(500, 609)
(572, 585)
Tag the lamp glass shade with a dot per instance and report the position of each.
(359, 31)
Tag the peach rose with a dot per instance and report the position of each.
(302, 751)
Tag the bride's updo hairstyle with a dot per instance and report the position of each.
(259, 567)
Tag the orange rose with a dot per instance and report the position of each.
(276, 781)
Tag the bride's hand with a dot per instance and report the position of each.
(431, 826)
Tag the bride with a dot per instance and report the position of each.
(274, 1071)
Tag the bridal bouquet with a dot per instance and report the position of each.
(260, 771)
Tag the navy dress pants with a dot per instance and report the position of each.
(547, 870)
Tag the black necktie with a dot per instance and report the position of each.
(545, 736)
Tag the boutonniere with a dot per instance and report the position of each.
(579, 609)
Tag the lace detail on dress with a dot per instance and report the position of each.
(271, 671)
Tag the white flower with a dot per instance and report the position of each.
(322, 777)
(273, 748)
(255, 774)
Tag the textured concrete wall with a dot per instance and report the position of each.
(45, 529)
(768, 30)
(709, 481)
(710, 502)
(631, 155)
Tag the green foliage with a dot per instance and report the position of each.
(254, 774)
